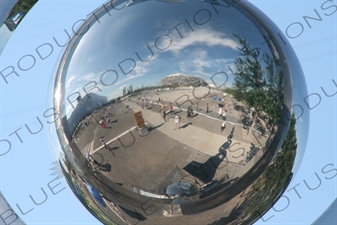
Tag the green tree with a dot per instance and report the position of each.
(124, 91)
(259, 87)
(249, 82)
(273, 181)
(130, 89)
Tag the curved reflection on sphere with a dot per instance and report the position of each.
(172, 112)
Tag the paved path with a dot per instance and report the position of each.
(196, 137)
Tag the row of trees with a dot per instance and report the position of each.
(266, 190)
(127, 90)
(258, 83)
(258, 86)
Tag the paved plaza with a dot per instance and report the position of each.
(198, 150)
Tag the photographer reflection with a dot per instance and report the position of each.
(205, 172)
(95, 164)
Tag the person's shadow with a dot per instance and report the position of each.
(153, 128)
(194, 115)
(133, 214)
(186, 125)
(112, 149)
(231, 135)
(106, 167)
(225, 146)
(205, 171)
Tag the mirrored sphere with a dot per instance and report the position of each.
(178, 112)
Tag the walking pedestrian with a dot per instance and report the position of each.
(191, 109)
(163, 114)
(197, 106)
(207, 109)
(91, 161)
(220, 112)
(188, 113)
(177, 119)
(223, 126)
(101, 123)
(171, 107)
(223, 116)
(103, 143)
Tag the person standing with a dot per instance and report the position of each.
(101, 123)
(103, 143)
(87, 155)
(223, 116)
(91, 161)
(207, 109)
(164, 115)
(223, 126)
(177, 119)
(220, 112)
(197, 106)
(171, 107)
(191, 109)
(188, 113)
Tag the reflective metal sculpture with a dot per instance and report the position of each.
(11, 15)
(178, 112)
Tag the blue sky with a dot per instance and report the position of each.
(183, 52)
(25, 169)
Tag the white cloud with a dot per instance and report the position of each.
(75, 83)
(200, 64)
(121, 87)
(137, 72)
(202, 36)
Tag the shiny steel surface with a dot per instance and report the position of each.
(12, 12)
(128, 162)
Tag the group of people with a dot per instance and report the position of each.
(103, 120)
(222, 114)
(93, 162)
(163, 112)
(190, 112)
(102, 123)
(222, 111)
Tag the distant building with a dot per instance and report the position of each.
(86, 105)
(183, 80)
